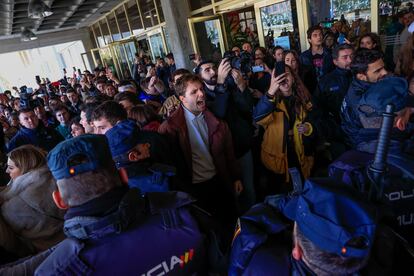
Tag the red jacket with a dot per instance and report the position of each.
(219, 136)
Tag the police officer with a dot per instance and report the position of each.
(391, 90)
(399, 177)
(333, 86)
(133, 159)
(368, 68)
(110, 229)
(333, 233)
(329, 95)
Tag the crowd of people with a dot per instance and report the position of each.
(149, 175)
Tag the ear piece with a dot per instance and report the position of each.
(57, 198)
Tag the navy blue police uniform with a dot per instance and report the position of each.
(398, 181)
(328, 214)
(122, 232)
(146, 175)
(351, 108)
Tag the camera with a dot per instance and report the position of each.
(26, 101)
(241, 63)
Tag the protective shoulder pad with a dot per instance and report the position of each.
(252, 231)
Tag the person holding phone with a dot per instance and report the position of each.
(286, 115)
(260, 80)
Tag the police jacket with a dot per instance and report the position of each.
(42, 137)
(351, 123)
(149, 177)
(122, 233)
(332, 90)
(262, 245)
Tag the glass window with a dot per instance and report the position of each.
(167, 38)
(279, 23)
(394, 17)
(208, 39)
(197, 4)
(108, 60)
(160, 12)
(123, 60)
(99, 37)
(105, 31)
(97, 59)
(122, 22)
(143, 47)
(351, 18)
(148, 13)
(130, 49)
(134, 18)
(240, 27)
(116, 36)
(157, 46)
(93, 40)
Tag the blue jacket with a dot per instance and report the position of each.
(122, 233)
(351, 169)
(262, 245)
(331, 91)
(149, 177)
(351, 123)
(43, 137)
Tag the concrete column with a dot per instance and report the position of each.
(176, 13)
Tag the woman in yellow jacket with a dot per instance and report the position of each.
(284, 113)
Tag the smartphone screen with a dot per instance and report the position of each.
(257, 69)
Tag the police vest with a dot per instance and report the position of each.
(162, 238)
(351, 168)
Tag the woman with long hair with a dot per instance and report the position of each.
(370, 41)
(285, 113)
(308, 78)
(26, 202)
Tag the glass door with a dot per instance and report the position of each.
(86, 57)
(97, 59)
(157, 45)
(207, 37)
(143, 47)
(130, 49)
(109, 61)
(122, 60)
(277, 23)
